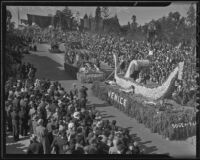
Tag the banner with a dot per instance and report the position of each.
(117, 98)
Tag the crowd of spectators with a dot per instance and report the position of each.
(60, 121)
(16, 45)
(164, 57)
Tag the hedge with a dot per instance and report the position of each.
(168, 121)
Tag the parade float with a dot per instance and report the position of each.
(71, 64)
(149, 105)
(79, 64)
(89, 73)
(54, 40)
(55, 47)
(33, 31)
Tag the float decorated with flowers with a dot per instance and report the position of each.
(89, 73)
(150, 106)
(79, 64)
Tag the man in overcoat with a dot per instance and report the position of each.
(42, 137)
(15, 124)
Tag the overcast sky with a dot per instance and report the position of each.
(143, 14)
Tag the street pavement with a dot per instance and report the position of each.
(50, 65)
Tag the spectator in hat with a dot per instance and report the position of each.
(42, 135)
(15, 124)
(74, 92)
(31, 73)
(60, 140)
(50, 127)
(113, 125)
(56, 114)
(53, 106)
(114, 149)
(23, 118)
(136, 149)
(76, 115)
(16, 103)
(79, 147)
(35, 147)
(83, 96)
(22, 103)
(102, 145)
(71, 130)
(8, 115)
(34, 124)
(92, 148)
(42, 111)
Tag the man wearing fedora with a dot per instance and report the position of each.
(23, 119)
(74, 91)
(42, 136)
(83, 96)
(15, 124)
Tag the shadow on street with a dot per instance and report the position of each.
(51, 70)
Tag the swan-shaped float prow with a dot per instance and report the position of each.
(155, 93)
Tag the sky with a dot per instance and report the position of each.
(143, 14)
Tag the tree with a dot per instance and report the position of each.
(97, 17)
(133, 18)
(11, 26)
(67, 12)
(77, 19)
(90, 21)
(191, 19)
(112, 25)
(8, 20)
(86, 22)
(85, 16)
(105, 12)
(129, 26)
(191, 16)
(58, 18)
(12, 39)
(176, 16)
(151, 31)
(67, 18)
(134, 23)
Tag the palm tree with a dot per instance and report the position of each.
(58, 19)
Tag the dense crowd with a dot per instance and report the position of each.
(164, 58)
(15, 47)
(59, 121)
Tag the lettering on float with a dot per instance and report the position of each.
(181, 125)
(114, 96)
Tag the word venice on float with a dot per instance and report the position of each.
(117, 98)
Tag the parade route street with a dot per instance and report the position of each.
(50, 66)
